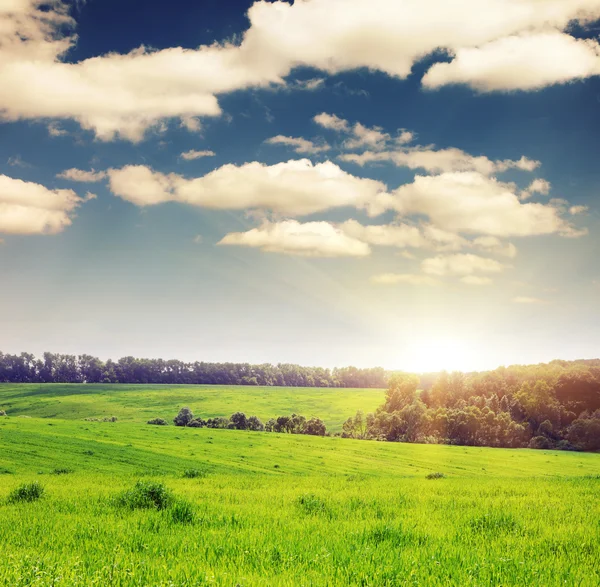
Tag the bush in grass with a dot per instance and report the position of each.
(158, 422)
(27, 492)
(436, 475)
(2, 413)
(184, 417)
(62, 471)
(197, 423)
(217, 422)
(146, 495)
(239, 421)
(193, 474)
(255, 424)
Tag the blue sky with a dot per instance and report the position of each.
(390, 188)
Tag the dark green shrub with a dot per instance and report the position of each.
(2, 413)
(27, 492)
(255, 424)
(193, 474)
(158, 422)
(197, 423)
(184, 417)
(62, 471)
(436, 475)
(146, 495)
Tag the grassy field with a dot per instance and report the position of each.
(269, 509)
(139, 403)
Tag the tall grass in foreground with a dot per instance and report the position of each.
(311, 530)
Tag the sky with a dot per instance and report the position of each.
(397, 183)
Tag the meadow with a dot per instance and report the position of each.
(252, 508)
(139, 403)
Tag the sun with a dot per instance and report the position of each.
(440, 354)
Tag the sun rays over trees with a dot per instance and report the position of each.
(541, 406)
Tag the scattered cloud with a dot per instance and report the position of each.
(16, 161)
(82, 176)
(519, 62)
(332, 122)
(494, 245)
(300, 145)
(574, 210)
(495, 45)
(312, 239)
(537, 186)
(31, 208)
(292, 188)
(472, 203)
(192, 155)
(460, 265)
(55, 130)
(406, 278)
(439, 161)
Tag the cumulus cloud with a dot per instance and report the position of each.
(299, 145)
(82, 176)
(472, 203)
(519, 62)
(439, 161)
(311, 239)
(293, 188)
(406, 278)
(31, 208)
(125, 94)
(192, 155)
(494, 245)
(573, 210)
(332, 122)
(460, 265)
(537, 186)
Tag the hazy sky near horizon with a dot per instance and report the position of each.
(371, 182)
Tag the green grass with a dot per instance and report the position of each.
(269, 509)
(140, 403)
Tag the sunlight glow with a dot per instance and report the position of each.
(440, 354)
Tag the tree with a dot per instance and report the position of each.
(158, 422)
(239, 421)
(315, 427)
(184, 417)
(401, 392)
(255, 424)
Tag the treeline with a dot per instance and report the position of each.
(58, 368)
(293, 424)
(555, 405)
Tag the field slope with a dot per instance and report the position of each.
(269, 509)
(139, 403)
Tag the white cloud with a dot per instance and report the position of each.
(192, 155)
(472, 203)
(125, 95)
(494, 245)
(407, 278)
(332, 122)
(573, 210)
(54, 130)
(460, 265)
(387, 235)
(527, 300)
(537, 186)
(299, 145)
(476, 280)
(293, 188)
(363, 136)
(312, 239)
(31, 208)
(405, 137)
(82, 176)
(439, 161)
(519, 62)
